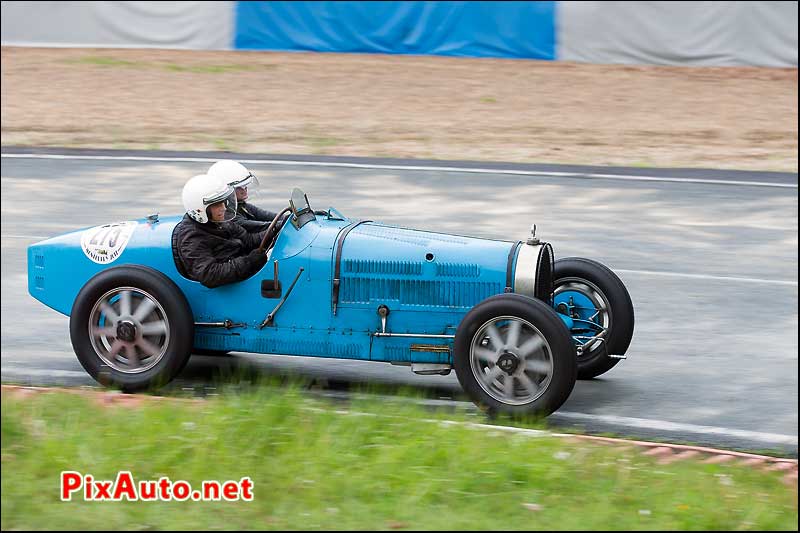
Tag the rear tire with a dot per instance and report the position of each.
(596, 285)
(514, 355)
(131, 327)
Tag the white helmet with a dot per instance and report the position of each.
(233, 173)
(202, 191)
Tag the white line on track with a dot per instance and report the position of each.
(35, 237)
(663, 425)
(21, 373)
(467, 170)
(622, 421)
(708, 276)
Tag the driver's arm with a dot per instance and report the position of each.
(251, 226)
(203, 266)
(261, 214)
(250, 240)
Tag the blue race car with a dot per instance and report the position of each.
(517, 326)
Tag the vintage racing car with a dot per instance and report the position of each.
(517, 326)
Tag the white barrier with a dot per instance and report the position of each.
(190, 25)
(762, 33)
(678, 33)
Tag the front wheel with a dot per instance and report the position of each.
(513, 355)
(601, 310)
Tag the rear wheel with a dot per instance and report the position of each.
(514, 355)
(132, 328)
(601, 309)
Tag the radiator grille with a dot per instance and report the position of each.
(397, 268)
(417, 292)
(544, 274)
(458, 270)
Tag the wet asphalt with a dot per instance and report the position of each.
(711, 266)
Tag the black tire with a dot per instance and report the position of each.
(212, 353)
(552, 391)
(596, 361)
(171, 312)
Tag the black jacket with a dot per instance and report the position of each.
(252, 218)
(216, 254)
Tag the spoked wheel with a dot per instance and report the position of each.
(129, 330)
(514, 355)
(511, 360)
(131, 327)
(601, 310)
(589, 309)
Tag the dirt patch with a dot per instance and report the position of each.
(401, 106)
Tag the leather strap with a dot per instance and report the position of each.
(338, 264)
(510, 267)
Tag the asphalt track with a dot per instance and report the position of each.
(709, 257)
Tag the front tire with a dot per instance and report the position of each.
(131, 327)
(513, 355)
(592, 294)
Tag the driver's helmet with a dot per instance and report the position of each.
(236, 175)
(203, 191)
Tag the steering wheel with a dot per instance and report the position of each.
(272, 232)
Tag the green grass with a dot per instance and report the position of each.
(207, 69)
(171, 67)
(318, 144)
(390, 467)
(105, 62)
(222, 144)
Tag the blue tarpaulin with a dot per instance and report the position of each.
(478, 29)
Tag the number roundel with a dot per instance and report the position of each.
(104, 244)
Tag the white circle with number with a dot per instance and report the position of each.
(104, 244)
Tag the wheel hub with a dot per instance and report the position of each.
(508, 363)
(126, 331)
